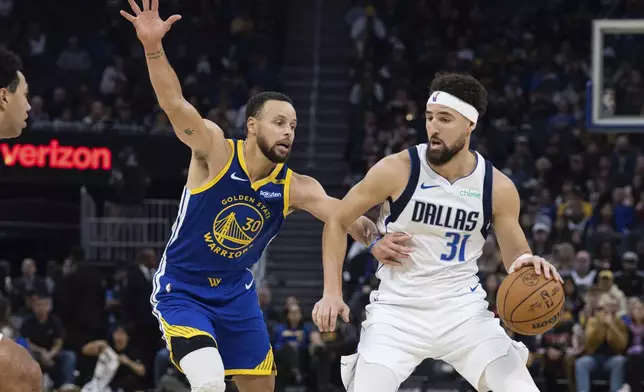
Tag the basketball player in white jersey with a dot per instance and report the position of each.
(432, 304)
(18, 370)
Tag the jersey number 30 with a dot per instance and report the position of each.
(456, 247)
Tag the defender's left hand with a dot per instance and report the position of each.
(539, 264)
(391, 249)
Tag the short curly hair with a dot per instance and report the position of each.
(9, 66)
(462, 86)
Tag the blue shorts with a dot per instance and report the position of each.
(223, 308)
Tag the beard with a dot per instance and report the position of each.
(271, 152)
(445, 153)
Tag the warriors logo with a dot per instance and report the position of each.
(236, 226)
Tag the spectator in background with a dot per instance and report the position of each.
(629, 279)
(81, 307)
(623, 159)
(45, 334)
(573, 203)
(574, 302)
(606, 285)
(367, 23)
(325, 350)
(27, 285)
(135, 303)
(54, 275)
(129, 182)
(130, 373)
(367, 93)
(271, 314)
(634, 373)
(591, 305)
(582, 272)
(6, 8)
(5, 278)
(114, 79)
(606, 341)
(37, 113)
(556, 347)
(541, 243)
(113, 297)
(36, 40)
(623, 210)
(74, 58)
(365, 29)
(6, 329)
(605, 255)
(564, 256)
(292, 341)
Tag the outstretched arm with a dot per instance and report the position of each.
(186, 120)
(188, 124)
(515, 251)
(308, 195)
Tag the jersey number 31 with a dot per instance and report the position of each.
(456, 247)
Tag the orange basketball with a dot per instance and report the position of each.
(529, 304)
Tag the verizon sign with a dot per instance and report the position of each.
(56, 156)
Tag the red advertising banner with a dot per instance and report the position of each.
(88, 158)
(56, 156)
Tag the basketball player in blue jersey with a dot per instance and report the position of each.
(237, 195)
(432, 305)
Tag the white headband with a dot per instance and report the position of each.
(446, 99)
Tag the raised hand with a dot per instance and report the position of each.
(150, 28)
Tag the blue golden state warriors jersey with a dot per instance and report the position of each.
(224, 226)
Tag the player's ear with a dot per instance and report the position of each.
(4, 98)
(251, 125)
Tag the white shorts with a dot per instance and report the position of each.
(460, 331)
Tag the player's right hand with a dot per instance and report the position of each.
(325, 312)
(150, 28)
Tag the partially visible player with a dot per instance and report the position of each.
(432, 305)
(237, 195)
(14, 103)
(19, 372)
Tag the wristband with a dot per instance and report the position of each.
(374, 243)
(523, 256)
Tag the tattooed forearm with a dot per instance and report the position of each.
(155, 55)
(188, 131)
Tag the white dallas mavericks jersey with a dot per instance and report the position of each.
(448, 222)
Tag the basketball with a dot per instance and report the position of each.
(529, 304)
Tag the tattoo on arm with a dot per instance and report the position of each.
(155, 55)
(188, 131)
